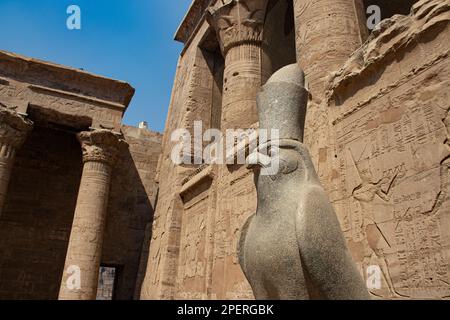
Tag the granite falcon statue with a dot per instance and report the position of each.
(293, 247)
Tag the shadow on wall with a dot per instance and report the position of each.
(36, 222)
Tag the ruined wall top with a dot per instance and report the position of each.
(77, 81)
(192, 19)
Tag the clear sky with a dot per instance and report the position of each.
(129, 40)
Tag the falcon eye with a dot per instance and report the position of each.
(288, 162)
(287, 167)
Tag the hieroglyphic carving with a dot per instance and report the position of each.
(386, 40)
(337, 22)
(396, 183)
(387, 174)
(190, 101)
(192, 262)
(391, 175)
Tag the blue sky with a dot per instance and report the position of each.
(129, 40)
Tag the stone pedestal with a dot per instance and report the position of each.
(13, 131)
(80, 278)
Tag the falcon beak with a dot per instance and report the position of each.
(252, 161)
(257, 160)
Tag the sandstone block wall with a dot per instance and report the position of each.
(191, 97)
(389, 107)
(377, 128)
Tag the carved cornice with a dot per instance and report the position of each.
(238, 22)
(14, 128)
(101, 146)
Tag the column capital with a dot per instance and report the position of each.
(101, 146)
(14, 128)
(238, 22)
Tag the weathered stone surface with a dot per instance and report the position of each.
(376, 127)
(131, 207)
(38, 214)
(192, 99)
(64, 92)
(239, 30)
(389, 104)
(327, 33)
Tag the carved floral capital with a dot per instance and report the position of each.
(238, 22)
(14, 128)
(101, 146)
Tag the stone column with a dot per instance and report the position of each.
(13, 131)
(239, 28)
(327, 33)
(80, 278)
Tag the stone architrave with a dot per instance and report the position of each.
(293, 247)
(101, 149)
(13, 131)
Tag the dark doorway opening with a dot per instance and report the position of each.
(107, 282)
(388, 8)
